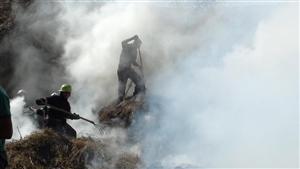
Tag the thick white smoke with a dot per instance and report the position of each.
(222, 79)
(240, 113)
(93, 46)
(23, 125)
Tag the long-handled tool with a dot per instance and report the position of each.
(98, 126)
(64, 111)
(141, 61)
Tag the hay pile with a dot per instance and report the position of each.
(48, 150)
(121, 114)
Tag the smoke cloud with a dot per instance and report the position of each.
(222, 79)
(239, 111)
(23, 125)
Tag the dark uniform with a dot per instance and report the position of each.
(56, 119)
(4, 115)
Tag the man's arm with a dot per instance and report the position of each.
(6, 129)
(125, 42)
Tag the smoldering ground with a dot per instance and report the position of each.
(224, 75)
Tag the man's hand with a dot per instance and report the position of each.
(75, 116)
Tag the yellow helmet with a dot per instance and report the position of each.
(65, 88)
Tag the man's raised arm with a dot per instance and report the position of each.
(125, 42)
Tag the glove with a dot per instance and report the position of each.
(75, 116)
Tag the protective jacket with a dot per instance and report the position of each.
(56, 119)
(56, 115)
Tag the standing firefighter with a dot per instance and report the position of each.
(57, 110)
(128, 58)
(5, 126)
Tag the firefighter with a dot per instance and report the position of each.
(57, 110)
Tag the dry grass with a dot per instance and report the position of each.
(120, 114)
(41, 150)
(48, 150)
(127, 161)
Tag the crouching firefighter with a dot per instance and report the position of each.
(57, 110)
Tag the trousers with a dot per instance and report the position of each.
(61, 128)
(124, 75)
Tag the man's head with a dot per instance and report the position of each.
(65, 90)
